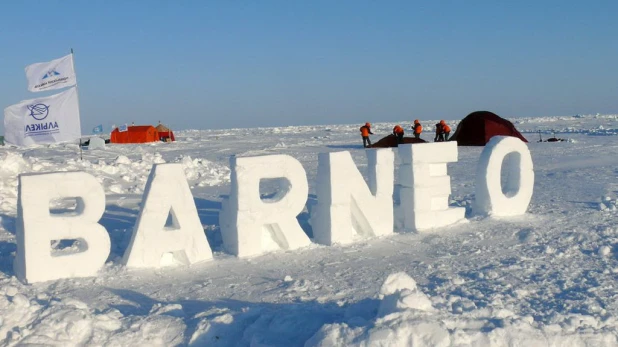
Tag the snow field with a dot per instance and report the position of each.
(543, 279)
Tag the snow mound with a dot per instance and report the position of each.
(608, 204)
(407, 318)
(120, 175)
(70, 322)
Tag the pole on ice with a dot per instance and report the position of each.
(81, 152)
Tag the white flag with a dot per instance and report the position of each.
(55, 74)
(50, 119)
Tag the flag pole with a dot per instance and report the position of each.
(81, 152)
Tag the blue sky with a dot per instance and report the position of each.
(221, 64)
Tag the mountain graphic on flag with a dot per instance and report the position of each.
(51, 73)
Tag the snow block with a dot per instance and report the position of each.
(250, 225)
(346, 205)
(512, 199)
(96, 143)
(425, 185)
(168, 230)
(37, 227)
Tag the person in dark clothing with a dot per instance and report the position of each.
(446, 130)
(439, 133)
(365, 132)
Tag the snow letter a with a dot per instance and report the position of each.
(180, 240)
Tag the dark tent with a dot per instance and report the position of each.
(391, 141)
(478, 127)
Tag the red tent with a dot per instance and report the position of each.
(135, 134)
(165, 133)
(478, 127)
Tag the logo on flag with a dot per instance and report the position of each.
(98, 129)
(123, 128)
(49, 119)
(38, 111)
(51, 73)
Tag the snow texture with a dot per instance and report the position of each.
(490, 198)
(168, 229)
(425, 185)
(347, 208)
(37, 228)
(248, 222)
(544, 278)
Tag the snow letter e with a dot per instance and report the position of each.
(251, 225)
(168, 230)
(425, 186)
(346, 206)
(37, 227)
(514, 197)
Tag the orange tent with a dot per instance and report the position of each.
(165, 133)
(135, 134)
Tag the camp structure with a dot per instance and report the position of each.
(391, 141)
(135, 134)
(478, 127)
(165, 134)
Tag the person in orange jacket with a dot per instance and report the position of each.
(365, 131)
(442, 131)
(398, 131)
(418, 129)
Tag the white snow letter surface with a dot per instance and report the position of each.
(37, 227)
(425, 185)
(251, 225)
(168, 230)
(512, 199)
(346, 205)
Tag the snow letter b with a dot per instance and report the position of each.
(37, 227)
(251, 225)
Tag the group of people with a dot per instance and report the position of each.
(442, 132)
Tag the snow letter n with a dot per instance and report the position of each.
(347, 207)
(37, 227)
(251, 225)
(425, 185)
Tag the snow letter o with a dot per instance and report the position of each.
(37, 227)
(490, 198)
(250, 225)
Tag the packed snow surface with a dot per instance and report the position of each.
(547, 278)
